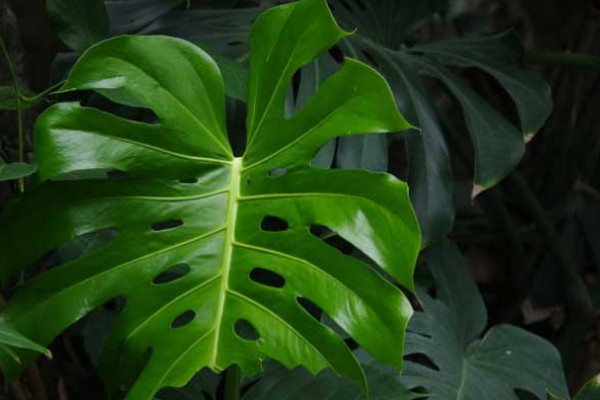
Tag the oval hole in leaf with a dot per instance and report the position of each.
(371, 58)
(267, 277)
(276, 172)
(273, 224)
(183, 319)
(337, 54)
(311, 308)
(331, 238)
(524, 394)
(422, 359)
(321, 231)
(85, 244)
(170, 224)
(177, 271)
(116, 304)
(117, 174)
(188, 181)
(246, 330)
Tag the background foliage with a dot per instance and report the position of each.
(489, 127)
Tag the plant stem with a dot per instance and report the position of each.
(18, 98)
(233, 383)
(576, 289)
(579, 304)
(575, 60)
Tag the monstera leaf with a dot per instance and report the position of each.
(459, 364)
(382, 28)
(212, 254)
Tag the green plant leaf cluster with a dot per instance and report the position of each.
(214, 254)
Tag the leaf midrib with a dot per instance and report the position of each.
(230, 222)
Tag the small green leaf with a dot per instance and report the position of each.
(16, 170)
(464, 366)
(11, 339)
(79, 23)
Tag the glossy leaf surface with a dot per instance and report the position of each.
(464, 366)
(382, 27)
(10, 340)
(196, 229)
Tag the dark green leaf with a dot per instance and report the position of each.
(497, 144)
(202, 384)
(386, 22)
(79, 23)
(500, 56)
(223, 32)
(299, 384)
(129, 16)
(366, 151)
(430, 175)
(466, 367)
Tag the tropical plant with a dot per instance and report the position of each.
(169, 164)
(217, 257)
(498, 145)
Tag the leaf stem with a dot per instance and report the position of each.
(574, 60)
(15, 82)
(233, 383)
(39, 96)
(576, 289)
(578, 301)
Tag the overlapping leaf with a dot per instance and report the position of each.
(15, 170)
(10, 340)
(298, 384)
(382, 27)
(465, 367)
(204, 242)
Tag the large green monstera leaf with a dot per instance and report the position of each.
(214, 255)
